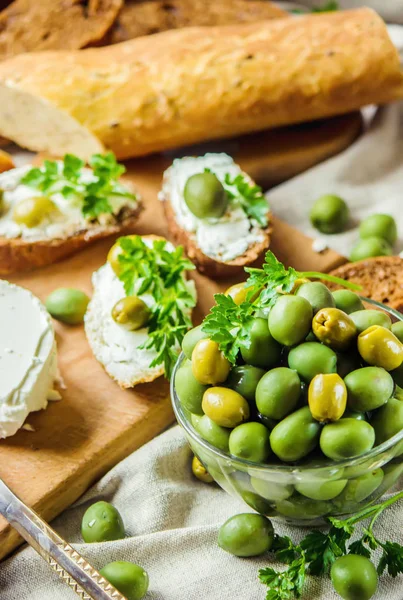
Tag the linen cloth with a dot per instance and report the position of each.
(171, 519)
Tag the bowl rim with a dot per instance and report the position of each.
(284, 468)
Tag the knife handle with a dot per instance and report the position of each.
(71, 567)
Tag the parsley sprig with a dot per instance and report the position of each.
(66, 179)
(317, 551)
(157, 271)
(249, 196)
(330, 6)
(229, 324)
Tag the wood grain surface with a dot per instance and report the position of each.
(97, 424)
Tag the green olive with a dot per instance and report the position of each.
(244, 380)
(290, 319)
(102, 523)
(363, 319)
(317, 294)
(295, 436)
(189, 390)
(205, 196)
(31, 211)
(67, 305)
(347, 301)
(327, 397)
(329, 214)
(129, 579)
(303, 508)
(264, 351)
(190, 340)
(115, 251)
(271, 490)
(319, 490)
(388, 420)
(368, 388)
(354, 577)
(246, 535)
(225, 407)
(200, 471)
(370, 247)
(334, 328)
(131, 312)
(239, 293)
(259, 504)
(209, 364)
(278, 392)
(250, 441)
(346, 438)
(379, 225)
(359, 488)
(310, 359)
(397, 375)
(211, 432)
(379, 347)
(354, 414)
(397, 329)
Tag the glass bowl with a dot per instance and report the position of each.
(271, 489)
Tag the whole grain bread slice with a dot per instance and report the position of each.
(144, 17)
(381, 279)
(26, 26)
(209, 266)
(17, 254)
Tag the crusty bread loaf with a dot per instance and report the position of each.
(144, 17)
(17, 254)
(381, 279)
(26, 26)
(188, 85)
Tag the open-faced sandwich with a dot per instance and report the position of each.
(51, 211)
(28, 357)
(217, 212)
(140, 309)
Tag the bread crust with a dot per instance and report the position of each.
(209, 266)
(381, 279)
(17, 254)
(189, 85)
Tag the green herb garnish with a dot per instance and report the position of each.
(327, 7)
(316, 553)
(157, 271)
(229, 324)
(249, 196)
(66, 179)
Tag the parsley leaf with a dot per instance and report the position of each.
(67, 179)
(157, 271)
(249, 196)
(285, 585)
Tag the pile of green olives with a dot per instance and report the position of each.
(102, 522)
(318, 383)
(378, 234)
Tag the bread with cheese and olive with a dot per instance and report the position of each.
(217, 212)
(28, 357)
(47, 213)
(140, 309)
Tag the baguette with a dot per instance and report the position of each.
(197, 236)
(188, 85)
(381, 279)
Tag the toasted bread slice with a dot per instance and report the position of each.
(17, 254)
(238, 248)
(113, 346)
(381, 279)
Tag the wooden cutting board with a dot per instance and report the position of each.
(97, 424)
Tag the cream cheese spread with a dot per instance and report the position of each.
(116, 348)
(222, 239)
(28, 357)
(62, 223)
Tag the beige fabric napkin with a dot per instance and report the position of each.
(171, 523)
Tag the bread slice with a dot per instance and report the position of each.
(381, 279)
(17, 254)
(114, 347)
(207, 263)
(145, 17)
